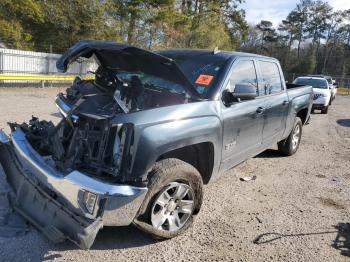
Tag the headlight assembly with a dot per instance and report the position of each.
(90, 201)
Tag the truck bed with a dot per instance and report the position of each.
(295, 90)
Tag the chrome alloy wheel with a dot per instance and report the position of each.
(172, 207)
(296, 137)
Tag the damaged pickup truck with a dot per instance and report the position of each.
(136, 144)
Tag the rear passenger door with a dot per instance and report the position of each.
(276, 102)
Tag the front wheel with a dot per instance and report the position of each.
(290, 145)
(174, 197)
(325, 110)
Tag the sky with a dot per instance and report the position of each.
(276, 10)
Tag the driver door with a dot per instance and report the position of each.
(243, 121)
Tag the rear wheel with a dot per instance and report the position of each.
(174, 197)
(290, 145)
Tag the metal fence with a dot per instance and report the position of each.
(18, 62)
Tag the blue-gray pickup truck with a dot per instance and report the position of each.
(136, 144)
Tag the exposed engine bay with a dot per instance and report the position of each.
(129, 90)
(86, 139)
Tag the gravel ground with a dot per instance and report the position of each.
(296, 210)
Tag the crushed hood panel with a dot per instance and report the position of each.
(111, 55)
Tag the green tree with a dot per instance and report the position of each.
(268, 36)
(308, 63)
(214, 23)
(67, 22)
(17, 20)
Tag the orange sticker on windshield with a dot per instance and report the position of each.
(204, 80)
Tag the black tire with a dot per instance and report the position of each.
(286, 146)
(325, 110)
(165, 172)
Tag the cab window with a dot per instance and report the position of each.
(244, 73)
(271, 78)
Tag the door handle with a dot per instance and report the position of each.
(285, 102)
(260, 110)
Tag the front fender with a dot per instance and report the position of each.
(161, 138)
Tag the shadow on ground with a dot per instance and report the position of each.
(341, 242)
(118, 238)
(270, 153)
(344, 122)
(121, 238)
(114, 238)
(16, 236)
(271, 237)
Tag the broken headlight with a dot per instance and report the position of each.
(90, 201)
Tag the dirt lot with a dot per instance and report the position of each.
(296, 210)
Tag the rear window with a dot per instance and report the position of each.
(202, 70)
(272, 83)
(315, 83)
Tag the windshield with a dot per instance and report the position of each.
(315, 83)
(151, 82)
(136, 90)
(201, 69)
(328, 78)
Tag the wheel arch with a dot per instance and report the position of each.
(303, 114)
(200, 156)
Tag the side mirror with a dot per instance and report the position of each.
(239, 92)
(244, 92)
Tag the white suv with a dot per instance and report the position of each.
(332, 85)
(322, 91)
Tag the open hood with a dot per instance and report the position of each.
(112, 55)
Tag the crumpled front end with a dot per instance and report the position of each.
(62, 206)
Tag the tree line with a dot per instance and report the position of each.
(313, 38)
(152, 24)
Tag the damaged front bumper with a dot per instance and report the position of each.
(64, 206)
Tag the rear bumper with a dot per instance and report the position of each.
(55, 202)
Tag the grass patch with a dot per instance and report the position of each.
(343, 91)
